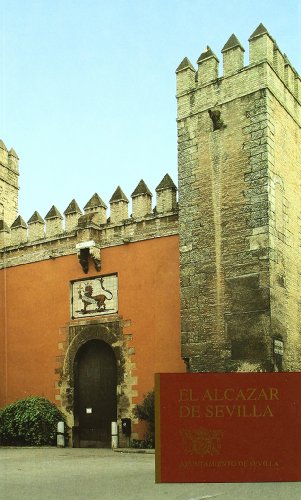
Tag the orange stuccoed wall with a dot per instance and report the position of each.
(35, 306)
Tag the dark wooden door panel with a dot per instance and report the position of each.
(95, 392)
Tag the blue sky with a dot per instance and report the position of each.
(87, 87)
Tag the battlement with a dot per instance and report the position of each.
(9, 174)
(268, 67)
(8, 159)
(117, 227)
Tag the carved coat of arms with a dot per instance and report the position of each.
(202, 441)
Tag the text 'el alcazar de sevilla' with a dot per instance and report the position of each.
(206, 281)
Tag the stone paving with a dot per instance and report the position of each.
(82, 473)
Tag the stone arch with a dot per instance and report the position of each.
(110, 332)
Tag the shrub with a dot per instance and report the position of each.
(29, 422)
(146, 412)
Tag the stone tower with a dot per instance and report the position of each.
(239, 161)
(9, 173)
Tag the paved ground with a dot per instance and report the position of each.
(62, 474)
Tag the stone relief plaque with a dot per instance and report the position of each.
(94, 296)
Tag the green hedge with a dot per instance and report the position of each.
(146, 412)
(29, 422)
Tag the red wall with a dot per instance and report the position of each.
(37, 298)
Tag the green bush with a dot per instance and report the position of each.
(142, 444)
(146, 412)
(29, 422)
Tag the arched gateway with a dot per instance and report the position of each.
(95, 405)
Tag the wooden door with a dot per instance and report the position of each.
(95, 393)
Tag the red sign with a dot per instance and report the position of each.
(228, 427)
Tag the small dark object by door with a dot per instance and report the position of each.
(126, 425)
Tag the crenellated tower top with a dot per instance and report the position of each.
(268, 66)
(9, 187)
